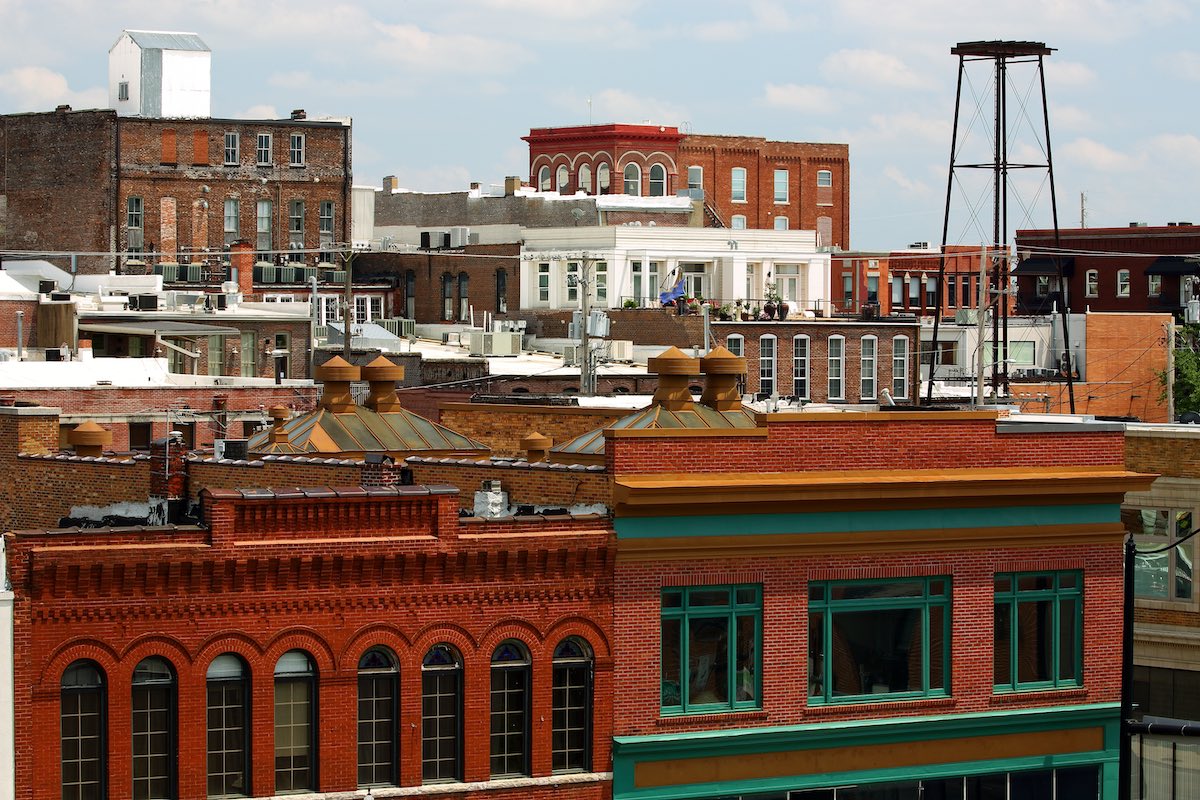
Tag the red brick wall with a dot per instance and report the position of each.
(818, 442)
(718, 155)
(428, 269)
(501, 427)
(636, 704)
(252, 592)
(39, 491)
(818, 357)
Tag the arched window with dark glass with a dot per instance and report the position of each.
(295, 723)
(441, 715)
(562, 178)
(585, 178)
(502, 291)
(228, 684)
(447, 297)
(571, 707)
(153, 710)
(510, 710)
(603, 179)
(410, 294)
(544, 179)
(658, 180)
(464, 300)
(377, 715)
(83, 726)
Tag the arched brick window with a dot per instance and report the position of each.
(441, 719)
(378, 704)
(510, 710)
(83, 724)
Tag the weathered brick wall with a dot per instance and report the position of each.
(8, 322)
(57, 181)
(278, 474)
(502, 427)
(154, 167)
(254, 590)
(638, 599)
(41, 491)
(1174, 453)
(536, 484)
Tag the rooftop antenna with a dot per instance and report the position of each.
(1002, 56)
(589, 110)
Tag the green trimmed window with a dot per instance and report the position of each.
(1039, 630)
(878, 640)
(711, 648)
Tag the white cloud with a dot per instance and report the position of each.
(814, 99)
(1175, 149)
(721, 31)
(41, 89)
(1090, 153)
(870, 68)
(897, 177)
(1069, 118)
(618, 105)
(259, 112)
(1184, 63)
(423, 50)
(910, 127)
(435, 178)
(1068, 73)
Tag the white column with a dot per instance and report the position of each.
(7, 712)
(734, 278)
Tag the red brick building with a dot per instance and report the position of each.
(827, 361)
(905, 281)
(172, 190)
(319, 640)
(745, 181)
(1136, 268)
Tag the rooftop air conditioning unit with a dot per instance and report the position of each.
(572, 355)
(620, 350)
(286, 274)
(489, 343)
(459, 236)
(195, 273)
(230, 448)
(170, 272)
(229, 287)
(46, 287)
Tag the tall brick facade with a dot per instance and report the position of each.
(157, 189)
(761, 183)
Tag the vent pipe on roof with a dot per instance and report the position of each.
(382, 376)
(536, 446)
(89, 439)
(721, 370)
(674, 369)
(337, 374)
(279, 415)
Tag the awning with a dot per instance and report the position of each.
(1173, 265)
(159, 328)
(1044, 265)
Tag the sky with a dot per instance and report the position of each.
(441, 92)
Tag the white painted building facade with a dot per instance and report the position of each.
(631, 262)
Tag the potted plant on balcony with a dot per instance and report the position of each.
(772, 298)
(725, 312)
(629, 303)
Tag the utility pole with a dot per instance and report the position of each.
(585, 365)
(981, 332)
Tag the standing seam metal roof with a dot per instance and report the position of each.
(168, 40)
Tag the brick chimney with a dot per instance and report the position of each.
(511, 184)
(674, 369)
(721, 370)
(391, 183)
(242, 259)
(337, 375)
(168, 469)
(382, 470)
(299, 113)
(89, 439)
(382, 376)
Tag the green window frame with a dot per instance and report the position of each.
(711, 648)
(1038, 630)
(878, 640)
